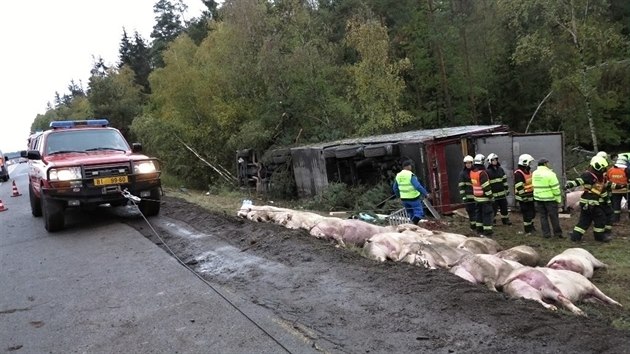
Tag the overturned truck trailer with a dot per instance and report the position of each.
(437, 154)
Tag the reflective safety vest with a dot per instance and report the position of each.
(475, 180)
(527, 193)
(407, 190)
(546, 185)
(597, 187)
(617, 176)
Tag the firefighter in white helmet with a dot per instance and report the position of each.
(466, 191)
(499, 185)
(482, 193)
(524, 192)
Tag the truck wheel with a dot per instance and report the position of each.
(53, 214)
(151, 205)
(36, 206)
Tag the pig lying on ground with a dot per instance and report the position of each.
(346, 231)
(259, 213)
(483, 269)
(436, 255)
(413, 228)
(576, 287)
(389, 245)
(530, 283)
(522, 254)
(447, 238)
(480, 245)
(577, 260)
(296, 219)
(433, 236)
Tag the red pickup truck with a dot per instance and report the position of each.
(82, 164)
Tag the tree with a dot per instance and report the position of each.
(116, 97)
(168, 25)
(569, 36)
(377, 83)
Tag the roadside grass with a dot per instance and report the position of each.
(613, 281)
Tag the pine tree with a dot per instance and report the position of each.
(167, 27)
(124, 53)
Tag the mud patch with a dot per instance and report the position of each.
(351, 304)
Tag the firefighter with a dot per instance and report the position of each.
(499, 186)
(409, 190)
(618, 176)
(466, 191)
(547, 197)
(524, 192)
(592, 202)
(606, 195)
(482, 194)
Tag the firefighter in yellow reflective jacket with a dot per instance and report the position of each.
(482, 193)
(592, 201)
(409, 190)
(524, 192)
(547, 196)
(466, 191)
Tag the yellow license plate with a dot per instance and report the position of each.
(110, 180)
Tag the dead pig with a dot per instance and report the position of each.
(432, 256)
(480, 245)
(577, 260)
(525, 255)
(576, 287)
(483, 269)
(389, 245)
(346, 231)
(533, 284)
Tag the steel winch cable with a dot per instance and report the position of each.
(134, 200)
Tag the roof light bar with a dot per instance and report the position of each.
(67, 124)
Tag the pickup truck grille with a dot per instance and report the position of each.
(106, 170)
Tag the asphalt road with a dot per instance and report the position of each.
(101, 287)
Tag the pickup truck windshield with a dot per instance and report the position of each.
(80, 140)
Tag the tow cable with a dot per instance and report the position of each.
(134, 200)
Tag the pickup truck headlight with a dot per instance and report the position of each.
(65, 174)
(144, 167)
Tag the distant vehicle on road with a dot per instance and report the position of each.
(4, 173)
(13, 158)
(82, 164)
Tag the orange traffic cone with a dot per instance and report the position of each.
(15, 190)
(2, 207)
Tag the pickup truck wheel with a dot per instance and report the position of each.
(36, 206)
(151, 205)
(53, 214)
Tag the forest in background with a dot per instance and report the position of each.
(267, 74)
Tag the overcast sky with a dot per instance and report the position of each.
(47, 43)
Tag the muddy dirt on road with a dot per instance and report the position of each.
(345, 303)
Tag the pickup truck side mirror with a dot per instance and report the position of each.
(33, 155)
(136, 147)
